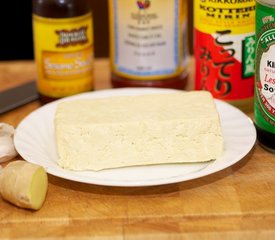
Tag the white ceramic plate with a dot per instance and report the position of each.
(35, 142)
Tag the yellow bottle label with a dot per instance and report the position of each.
(148, 38)
(212, 16)
(64, 55)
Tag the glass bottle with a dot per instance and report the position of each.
(148, 43)
(264, 110)
(63, 44)
(224, 50)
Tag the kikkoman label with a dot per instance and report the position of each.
(265, 69)
(147, 38)
(64, 55)
(225, 47)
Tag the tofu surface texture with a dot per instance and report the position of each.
(103, 133)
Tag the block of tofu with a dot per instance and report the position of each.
(96, 134)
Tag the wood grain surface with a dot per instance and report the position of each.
(236, 203)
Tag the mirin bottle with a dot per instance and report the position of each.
(224, 50)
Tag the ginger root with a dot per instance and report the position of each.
(24, 184)
(7, 149)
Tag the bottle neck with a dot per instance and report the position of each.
(60, 8)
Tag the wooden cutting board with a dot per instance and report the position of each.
(235, 203)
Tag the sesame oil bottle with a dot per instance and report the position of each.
(63, 44)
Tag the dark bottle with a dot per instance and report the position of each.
(63, 44)
(148, 43)
(264, 110)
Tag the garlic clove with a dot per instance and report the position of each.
(7, 149)
(6, 130)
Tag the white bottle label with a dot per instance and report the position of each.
(147, 38)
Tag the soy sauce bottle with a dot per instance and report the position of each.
(63, 45)
(264, 111)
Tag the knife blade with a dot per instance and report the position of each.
(18, 96)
